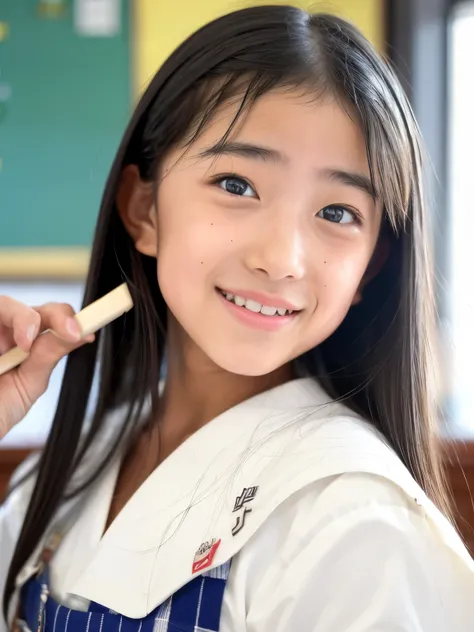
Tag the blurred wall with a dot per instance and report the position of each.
(160, 26)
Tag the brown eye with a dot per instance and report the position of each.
(337, 214)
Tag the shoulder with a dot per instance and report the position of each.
(354, 539)
(341, 466)
(342, 521)
(327, 461)
(343, 503)
(350, 493)
(330, 450)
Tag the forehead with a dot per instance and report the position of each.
(318, 132)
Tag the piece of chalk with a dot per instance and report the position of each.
(90, 319)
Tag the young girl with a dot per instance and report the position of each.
(266, 210)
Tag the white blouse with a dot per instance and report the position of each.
(340, 537)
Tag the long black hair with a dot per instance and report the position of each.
(380, 360)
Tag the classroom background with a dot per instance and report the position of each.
(70, 73)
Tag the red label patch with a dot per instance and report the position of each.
(205, 555)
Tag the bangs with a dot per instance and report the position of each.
(392, 153)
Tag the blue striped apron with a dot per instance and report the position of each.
(196, 607)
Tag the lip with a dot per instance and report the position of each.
(256, 320)
(264, 299)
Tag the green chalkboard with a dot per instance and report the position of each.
(66, 101)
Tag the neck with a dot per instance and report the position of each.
(197, 390)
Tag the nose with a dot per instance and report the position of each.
(278, 250)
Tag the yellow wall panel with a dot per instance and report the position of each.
(161, 25)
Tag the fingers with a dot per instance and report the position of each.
(62, 336)
(22, 325)
(46, 333)
(18, 323)
(46, 351)
(59, 317)
(6, 339)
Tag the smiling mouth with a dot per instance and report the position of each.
(255, 307)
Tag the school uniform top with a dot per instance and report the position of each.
(325, 528)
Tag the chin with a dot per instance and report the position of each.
(251, 362)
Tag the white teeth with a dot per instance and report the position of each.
(270, 311)
(253, 306)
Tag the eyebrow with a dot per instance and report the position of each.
(245, 150)
(255, 152)
(351, 179)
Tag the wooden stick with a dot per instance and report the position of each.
(90, 319)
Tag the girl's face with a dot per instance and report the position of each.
(262, 246)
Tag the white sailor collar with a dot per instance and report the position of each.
(192, 513)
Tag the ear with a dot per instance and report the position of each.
(136, 207)
(379, 258)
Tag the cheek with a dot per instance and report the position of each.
(344, 274)
(182, 260)
(190, 247)
(342, 269)
(339, 278)
(336, 284)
